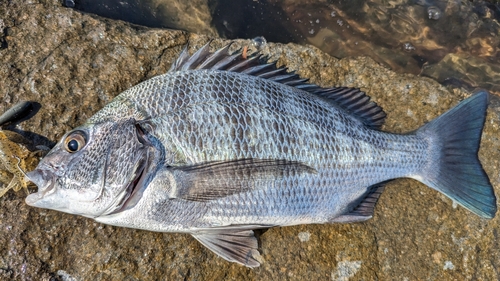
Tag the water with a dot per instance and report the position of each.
(454, 42)
(434, 13)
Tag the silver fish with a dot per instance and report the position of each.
(224, 144)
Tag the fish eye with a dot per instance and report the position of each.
(75, 141)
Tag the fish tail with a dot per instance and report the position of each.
(457, 173)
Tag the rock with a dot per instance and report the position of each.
(74, 63)
(192, 16)
(466, 70)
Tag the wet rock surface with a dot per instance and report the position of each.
(74, 63)
(192, 15)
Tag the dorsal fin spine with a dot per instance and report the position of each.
(352, 100)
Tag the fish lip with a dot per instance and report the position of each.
(44, 180)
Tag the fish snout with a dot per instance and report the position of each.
(44, 180)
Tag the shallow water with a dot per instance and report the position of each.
(454, 42)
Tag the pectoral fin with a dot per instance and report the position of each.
(366, 207)
(240, 247)
(213, 180)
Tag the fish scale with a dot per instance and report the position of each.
(224, 144)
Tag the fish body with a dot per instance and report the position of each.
(224, 144)
(336, 166)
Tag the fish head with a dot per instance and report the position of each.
(92, 170)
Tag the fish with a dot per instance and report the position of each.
(226, 143)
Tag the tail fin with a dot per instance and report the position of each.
(458, 174)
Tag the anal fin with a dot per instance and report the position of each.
(239, 247)
(364, 211)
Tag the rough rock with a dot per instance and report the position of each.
(192, 15)
(74, 63)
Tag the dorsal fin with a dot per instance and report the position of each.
(352, 100)
(357, 103)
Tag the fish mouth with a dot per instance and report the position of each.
(45, 181)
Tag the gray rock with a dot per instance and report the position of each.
(74, 63)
